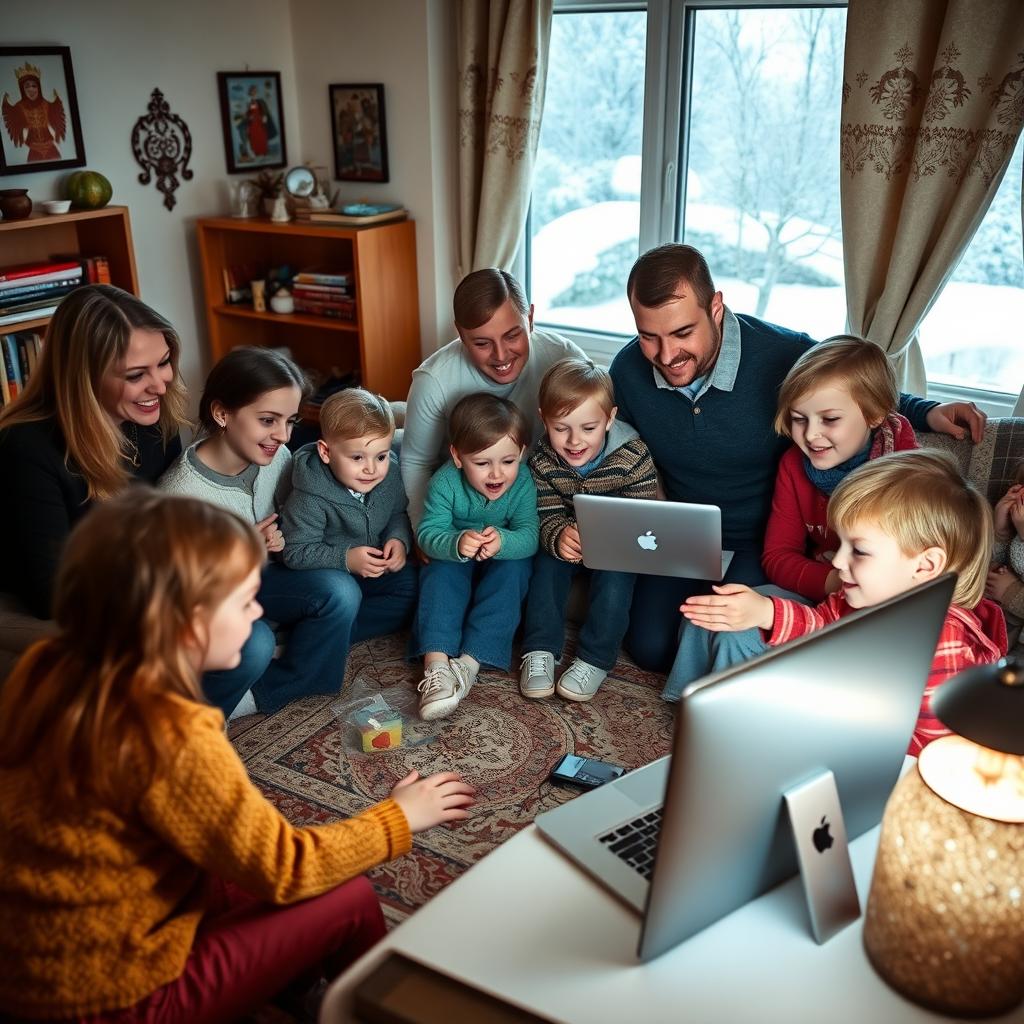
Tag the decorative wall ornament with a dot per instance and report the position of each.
(161, 142)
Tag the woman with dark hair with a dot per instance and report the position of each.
(241, 463)
(103, 408)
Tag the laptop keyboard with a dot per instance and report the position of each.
(636, 841)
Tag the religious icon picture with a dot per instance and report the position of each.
(357, 128)
(41, 130)
(250, 109)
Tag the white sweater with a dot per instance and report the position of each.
(447, 376)
(270, 487)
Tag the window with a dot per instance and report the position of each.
(716, 122)
(971, 336)
(585, 218)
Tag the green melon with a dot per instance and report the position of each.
(88, 190)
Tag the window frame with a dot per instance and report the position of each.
(667, 78)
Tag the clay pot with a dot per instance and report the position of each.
(15, 203)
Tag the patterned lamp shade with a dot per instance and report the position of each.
(945, 915)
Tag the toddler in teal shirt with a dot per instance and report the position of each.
(479, 530)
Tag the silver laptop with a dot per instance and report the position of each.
(844, 698)
(659, 538)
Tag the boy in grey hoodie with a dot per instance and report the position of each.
(347, 510)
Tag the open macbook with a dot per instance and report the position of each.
(659, 538)
(690, 838)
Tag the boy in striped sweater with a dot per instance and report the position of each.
(585, 450)
(902, 520)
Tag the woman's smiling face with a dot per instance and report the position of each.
(132, 388)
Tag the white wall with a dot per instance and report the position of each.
(121, 52)
(408, 45)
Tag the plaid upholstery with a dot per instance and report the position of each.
(992, 463)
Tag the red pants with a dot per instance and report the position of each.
(246, 951)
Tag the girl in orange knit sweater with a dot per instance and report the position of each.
(142, 875)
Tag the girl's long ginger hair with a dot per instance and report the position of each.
(88, 334)
(88, 706)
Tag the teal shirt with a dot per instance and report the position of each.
(452, 507)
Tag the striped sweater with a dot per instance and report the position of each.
(626, 471)
(968, 637)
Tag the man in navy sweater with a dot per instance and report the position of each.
(700, 385)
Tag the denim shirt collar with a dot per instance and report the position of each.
(727, 365)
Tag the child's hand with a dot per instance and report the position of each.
(394, 555)
(469, 543)
(1001, 512)
(832, 581)
(366, 561)
(731, 608)
(428, 802)
(272, 536)
(569, 546)
(490, 544)
(1017, 514)
(997, 582)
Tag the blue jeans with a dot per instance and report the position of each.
(702, 651)
(471, 608)
(224, 689)
(325, 611)
(654, 616)
(607, 617)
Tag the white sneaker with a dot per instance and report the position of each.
(537, 674)
(580, 681)
(442, 687)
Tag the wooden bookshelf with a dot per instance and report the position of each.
(105, 232)
(381, 345)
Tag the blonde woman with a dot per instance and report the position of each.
(103, 408)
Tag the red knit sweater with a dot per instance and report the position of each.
(798, 545)
(968, 638)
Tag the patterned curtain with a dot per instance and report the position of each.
(502, 54)
(933, 102)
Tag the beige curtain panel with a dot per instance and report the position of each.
(933, 102)
(502, 55)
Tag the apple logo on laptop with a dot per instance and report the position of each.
(821, 838)
(648, 541)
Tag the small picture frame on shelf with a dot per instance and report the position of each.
(358, 132)
(41, 130)
(253, 119)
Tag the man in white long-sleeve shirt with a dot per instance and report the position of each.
(498, 351)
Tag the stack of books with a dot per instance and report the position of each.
(30, 291)
(324, 291)
(19, 354)
(355, 215)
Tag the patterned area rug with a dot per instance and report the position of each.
(307, 762)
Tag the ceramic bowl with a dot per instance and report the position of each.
(56, 205)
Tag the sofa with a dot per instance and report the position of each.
(989, 465)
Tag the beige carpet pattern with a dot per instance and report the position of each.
(304, 761)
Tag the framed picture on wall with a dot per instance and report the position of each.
(253, 119)
(41, 129)
(358, 131)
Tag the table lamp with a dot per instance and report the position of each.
(945, 917)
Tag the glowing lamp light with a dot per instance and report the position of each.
(945, 916)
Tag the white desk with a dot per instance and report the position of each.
(526, 925)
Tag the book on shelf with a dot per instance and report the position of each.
(321, 292)
(38, 290)
(338, 310)
(21, 315)
(323, 276)
(31, 305)
(359, 215)
(19, 355)
(38, 268)
(238, 278)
